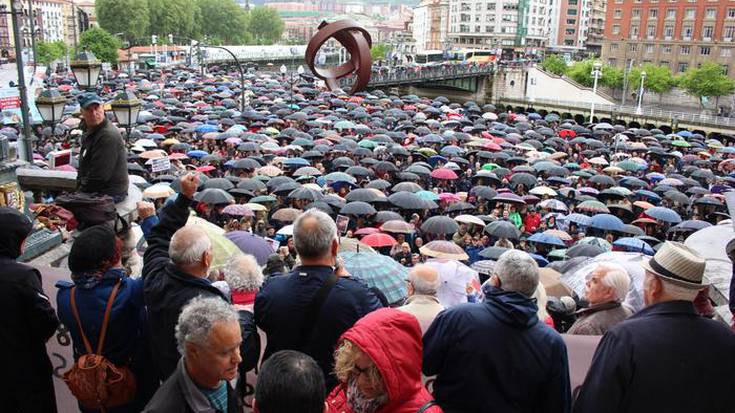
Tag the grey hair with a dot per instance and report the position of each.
(422, 286)
(243, 273)
(541, 300)
(517, 272)
(197, 319)
(617, 278)
(678, 292)
(188, 244)
(314, 241)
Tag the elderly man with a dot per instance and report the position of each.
(175, 269)
(422, 303)
(290, 381)
(665, 349)
(103, 160)
(308, 309)
(497, 355)
(606, 290)
(208, 337)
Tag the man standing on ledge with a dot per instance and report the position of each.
(103, 165)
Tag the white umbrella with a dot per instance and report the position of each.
(287, 230)
(455, 277)
(710, 243)
(469, 219)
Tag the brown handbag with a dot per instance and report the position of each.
(94, 380)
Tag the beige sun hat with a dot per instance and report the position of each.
(679, 264)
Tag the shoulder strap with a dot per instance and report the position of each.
(79, 322)
(315, 307)
(427, 406)
(106, 321)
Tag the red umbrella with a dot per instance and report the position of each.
(492, 146)
(367, 231)
(443, 173)
(207, 168)
(178, 155)
(379, 239)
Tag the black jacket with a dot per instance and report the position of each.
(167, 289)
(103, 162)
(665, 358)
(28, 321)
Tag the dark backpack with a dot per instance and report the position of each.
(88, 209)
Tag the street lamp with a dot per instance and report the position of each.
(86, 69)
(596, 73)
(639, 109)
(50, 105)
(126, 107)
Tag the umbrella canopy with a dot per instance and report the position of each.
(633, 245)
(378, 271)
(607, 222)
(444, 249)
(440, 225)
(158, 191)
(503, 229)
(222, 247)
(397, 226)
(378, 240)
(548, 239)
(357, 208)
(238, 210)
(286, 214)
(213, 196)
(251, 244)
(664, 214)
(470, 220)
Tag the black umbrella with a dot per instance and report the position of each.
(503, 229)
(286, 188)
(385, 216)
(380, 184)
(385, 167)
(213, 196)
(440, 224)
(134, 167)
(252, 185)
(306, 194)
(358, 171)
(408, 200)
(357, 208)
(493, 253)
(526, 179)
(246, 163)
(220, 183)
(584, 250)
(484, 192)
(460, 206)
(407, 187)
(603, 180)
(362, 194)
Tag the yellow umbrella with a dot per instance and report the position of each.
(170, 141)
(222, 248)
(158, 191)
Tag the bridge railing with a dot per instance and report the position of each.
(694, 118)
(390, 76)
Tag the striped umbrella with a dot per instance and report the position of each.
(378, 271)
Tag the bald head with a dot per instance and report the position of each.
(424, 279)
(188, 246)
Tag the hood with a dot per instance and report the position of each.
(392, 339)
(510, 307)
(16, 228)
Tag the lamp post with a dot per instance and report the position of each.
(596, 73)
(126, 108)
(86, 69)
(50, 105)
(639, 109)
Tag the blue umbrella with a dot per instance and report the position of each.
(548, 239)
(436, 159)
(534, 116)
(664, 214)
(296, 162)
(650, 195)
(684, 134)
(197, 153)
(251, 244)
(691, 225)
(634, 245)
(607, 222)
(578, 219)
(205, 128)
(541, 261)
(378, 271)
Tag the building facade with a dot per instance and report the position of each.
(675, 33)
(430, 24)
(519, 27)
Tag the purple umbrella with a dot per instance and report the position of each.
(251, 244)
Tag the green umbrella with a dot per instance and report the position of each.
(681, 144)
(344, 124)
(629, 165)
(427, 195)
(490, 166)
(366, 143)
(222, 248)
(378, 271)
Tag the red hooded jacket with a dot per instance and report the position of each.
(392, 339)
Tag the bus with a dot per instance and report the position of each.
(430, 56)
(478, 56)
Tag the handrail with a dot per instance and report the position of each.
(424, 74)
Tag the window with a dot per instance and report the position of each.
(651, 30)
(669, 31)
(705, 50)
(618, 13)
(664, 63)
(613, 46)
(633, 47)
(684, 50)
(569, 32)
(616, 29)
(653, 13)
(731, 13)
(572, 12)
(612, 61)
(478, 7)
(489, 29)
(726, 52)
(690, 13)
(568, 42)
(666, 49)
(728, 32)
(708, 31)
(571, 21)
(572, 2)
(490, 6)
(634, 30)
(636, 14)
(724, 69)
(686, 31)
(650, 48)
(683, 67)
(711, 14)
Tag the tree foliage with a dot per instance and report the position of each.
(612, 77)
(581, 72)
(101, 43)
(709, 80)
(50, 51)
(379, 51)
(175, 17)
(659, 79)
(555, 64)
(222, 22)
(130, 17)
(266, 25)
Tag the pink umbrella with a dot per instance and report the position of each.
(379, 240)
(448, 197)
(178, 155)
(233, 140)
(207, 168)
(367, 231)
(238, 210)
(443, 173)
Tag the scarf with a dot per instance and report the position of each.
(91, 279)
(359, 403)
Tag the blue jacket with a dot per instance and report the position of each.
(281, 307)
(496, 356)
(665, 358)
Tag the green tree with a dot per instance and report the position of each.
(379, 51)
(222, 22)
(709, 80)
(555, 64)
(130, 17)
(266, 25)
(612, 77)
(101, 43)
(659, 79)
(50, 51)
(172, 17)
(581, 72)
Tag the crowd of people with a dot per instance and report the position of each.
(371, 253)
